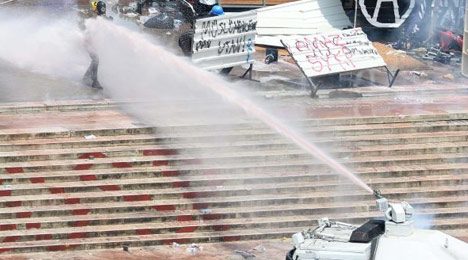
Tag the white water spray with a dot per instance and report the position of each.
(43, 42)
(174, 72)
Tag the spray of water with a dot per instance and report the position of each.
(174, 72)
(45, 43)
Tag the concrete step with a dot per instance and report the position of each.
(324, 131)
(355, 212)
(207, 225)
(145, 150)
(227, 172)
(62, 132)
(38, 194)
(223, 159)
(240, 140)
(269, 232)
(146, 240)
(175, 227)
(62, 106)
(145, 200)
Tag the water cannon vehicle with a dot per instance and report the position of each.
(392, 238)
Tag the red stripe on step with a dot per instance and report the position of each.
(11, 239)
(5, 193)
(44, 237)
(33, 225)
(7, 227)
(170, 173)
(185, 218)
(211, 217)
(13, 170)
(77, 235)
(109, 187)
(181, 184)
(88, 178)
(13, 203)
(37, 180)
(83, 167)
(3, 250)
(164, 207)
(71, 201)
(143, 232)
(193, 195)
(95, 155)
(159, 152)
(56, 190)
(178, 241)
(200, 206)
(160, 163)
(83, 223)
(80, 212)
(57, 248)
(230, 238)
(222, 228)
(23, 214)
(122, 165)
(187, 229)
(137, 197)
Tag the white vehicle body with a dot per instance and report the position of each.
(394, 238)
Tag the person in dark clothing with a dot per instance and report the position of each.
(91, 76)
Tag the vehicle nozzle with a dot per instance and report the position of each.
(378, 194)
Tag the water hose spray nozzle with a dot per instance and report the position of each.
(378, 194)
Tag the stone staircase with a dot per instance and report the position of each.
(137, 185)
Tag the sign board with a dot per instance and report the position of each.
(225, 41)
(333, 52)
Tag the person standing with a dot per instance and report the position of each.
(90, 78)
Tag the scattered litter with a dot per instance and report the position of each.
(205, 211)
(398, 59)
(418, 74)
(175, 245)
(90, 137)
(244, 254)
(194, 248)
(420, 51)
(131, 15)
(259, 248)
(177, 24)
(396, 52)
(153, 11)
(438, 55)
(449, 76)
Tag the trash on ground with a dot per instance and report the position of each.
(244, 254)
(90, 137)
(205, 211)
